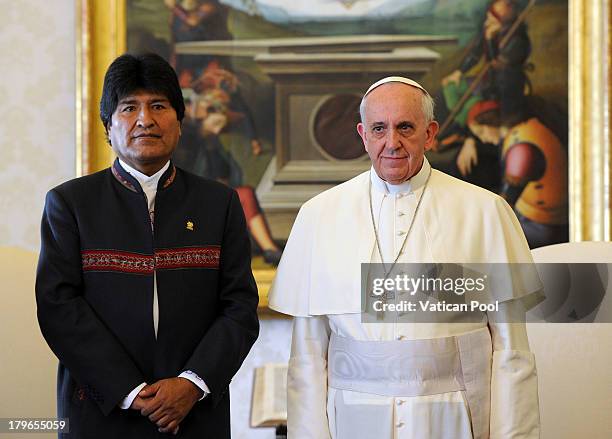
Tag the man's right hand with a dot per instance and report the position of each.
(140, 403)
(168, 401)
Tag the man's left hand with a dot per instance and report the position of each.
(168, 401)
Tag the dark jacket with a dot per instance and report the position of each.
(94, 290)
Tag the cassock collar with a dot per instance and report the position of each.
(407, 186)
(131, 178)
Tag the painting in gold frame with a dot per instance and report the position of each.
(589, 79)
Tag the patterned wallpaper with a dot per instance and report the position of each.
(37, 111)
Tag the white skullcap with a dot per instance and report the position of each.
(401, 79)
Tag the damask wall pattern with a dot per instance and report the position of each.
(37, 111)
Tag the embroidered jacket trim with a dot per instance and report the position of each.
(162, 259)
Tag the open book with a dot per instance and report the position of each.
(269, 407)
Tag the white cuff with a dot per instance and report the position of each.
(195, 379)
(128, 400)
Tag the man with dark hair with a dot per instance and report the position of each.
(147, 72)
(144, 287)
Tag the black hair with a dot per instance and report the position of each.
(129, 73)
(490, 117)
(496, 118)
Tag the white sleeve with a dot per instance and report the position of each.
(514, 382)
(307, 379)
(199, 382)
(128, 400)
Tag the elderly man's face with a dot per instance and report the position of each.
(394, 131)
(144, 131)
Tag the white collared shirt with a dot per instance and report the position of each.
(148, 183)
(149, 187)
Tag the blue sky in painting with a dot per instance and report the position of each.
(283, 11)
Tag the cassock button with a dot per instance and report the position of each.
(399, 424)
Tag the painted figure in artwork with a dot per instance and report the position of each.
(504, 44)
(202, 152)
(533, 167)
(506, 139)
(493, 68)
(195, 20)
(206, 20)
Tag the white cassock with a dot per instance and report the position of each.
(318, 282)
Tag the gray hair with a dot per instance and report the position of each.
(427, 106)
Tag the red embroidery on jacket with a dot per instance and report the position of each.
(188, 257)
(170, 179)
(113, 260)
(122, 180)
(163, 259)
